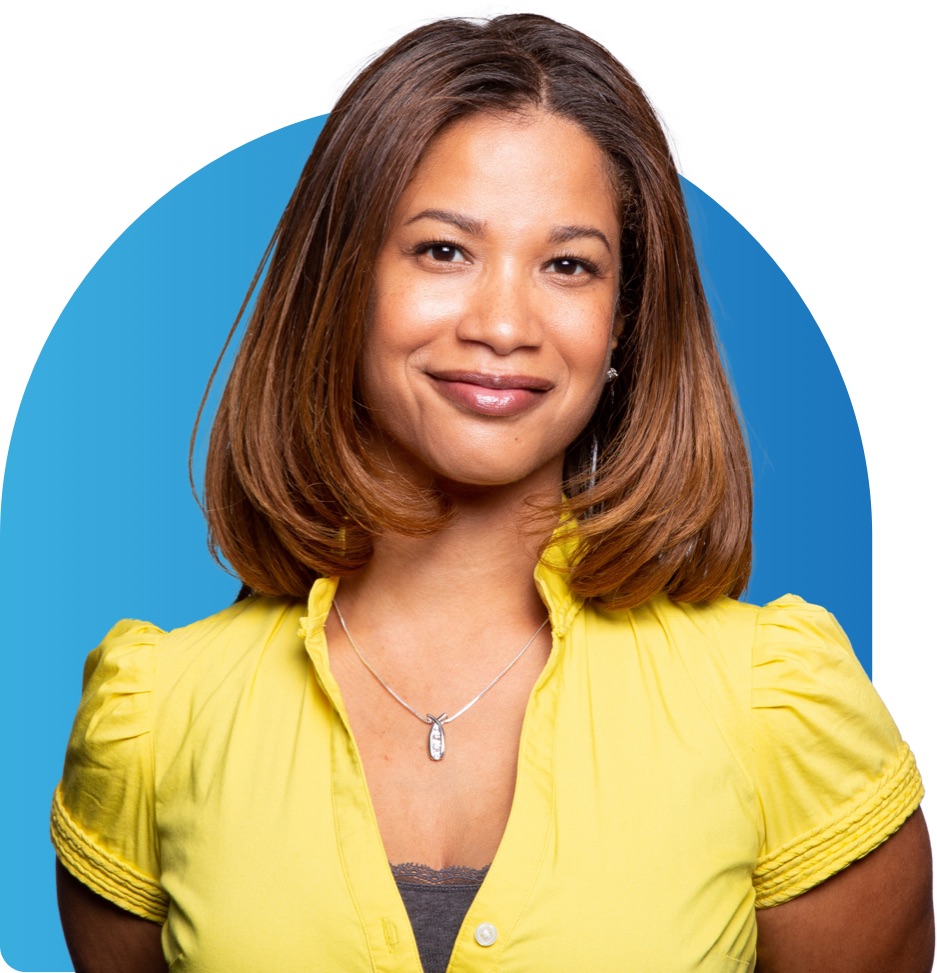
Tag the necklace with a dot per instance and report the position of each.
(437, 735)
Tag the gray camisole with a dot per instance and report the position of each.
(437, 901)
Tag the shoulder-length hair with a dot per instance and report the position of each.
(657, 486)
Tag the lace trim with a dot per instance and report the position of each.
(452, 875)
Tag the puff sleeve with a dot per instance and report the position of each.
(833, 775)
(103, 820)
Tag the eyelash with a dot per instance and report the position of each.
(425, 247)
(587, 265)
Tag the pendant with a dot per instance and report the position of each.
(437, 737)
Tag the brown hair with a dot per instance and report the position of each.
(658, 484)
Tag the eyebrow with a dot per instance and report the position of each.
(458, 220)
(559, 234)
(563, 234)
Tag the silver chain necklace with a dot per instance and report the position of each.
(437, 736)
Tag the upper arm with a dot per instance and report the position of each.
(103, 938)
(875, 915)
(103, 824)
(833, 776)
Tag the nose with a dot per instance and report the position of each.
(501, 312)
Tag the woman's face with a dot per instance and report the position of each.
(494, 307)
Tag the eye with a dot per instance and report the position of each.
(441, 252)
(571, 267)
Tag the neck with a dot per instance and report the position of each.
(480, 566)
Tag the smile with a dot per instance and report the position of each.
(489, 394)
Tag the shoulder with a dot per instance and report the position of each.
(137, 655)
(205, 666)
(143, 690)
(835, 778)
(734, 632)
(142, 678)
(245, 627)
(832, 775)
(791, 620)
(712, 640)
(781, 667)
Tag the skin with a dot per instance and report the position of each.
(472, 279)
(103, 938)
(876, 915)
(494, 322)
(501, 265)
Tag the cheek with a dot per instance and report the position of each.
(588, 361)
(590, 400)
(410, 307)
(588, 350)
(390, 357)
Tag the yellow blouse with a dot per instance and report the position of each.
(679, 767)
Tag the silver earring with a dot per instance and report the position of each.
(611, 375)
(594, 465)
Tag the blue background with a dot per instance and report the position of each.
(99, 522)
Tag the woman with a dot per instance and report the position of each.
(488, 699)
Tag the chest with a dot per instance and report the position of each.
(629, 842)
(452, 810)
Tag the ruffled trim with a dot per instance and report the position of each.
(814, 857)
(109, 876)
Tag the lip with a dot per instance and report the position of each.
(491, 394)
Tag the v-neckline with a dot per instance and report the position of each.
(518, 860)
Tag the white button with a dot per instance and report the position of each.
(486, 934)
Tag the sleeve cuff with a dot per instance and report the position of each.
(814, 857)
(104, 873)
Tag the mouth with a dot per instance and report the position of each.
(490, 394)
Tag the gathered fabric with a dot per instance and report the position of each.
(680, 766)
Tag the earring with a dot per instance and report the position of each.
(611, 375)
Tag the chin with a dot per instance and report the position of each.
(475, 481)
(471, 468)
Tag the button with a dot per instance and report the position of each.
(486, 934)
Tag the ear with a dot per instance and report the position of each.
(618, 325)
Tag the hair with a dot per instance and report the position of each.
(658, 485)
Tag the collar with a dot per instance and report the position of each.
(550, 576)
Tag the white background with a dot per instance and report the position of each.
(808, 122)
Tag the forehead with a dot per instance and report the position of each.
(510, 165)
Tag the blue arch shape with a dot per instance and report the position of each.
(99, 522)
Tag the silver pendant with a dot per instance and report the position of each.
(437, 737)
